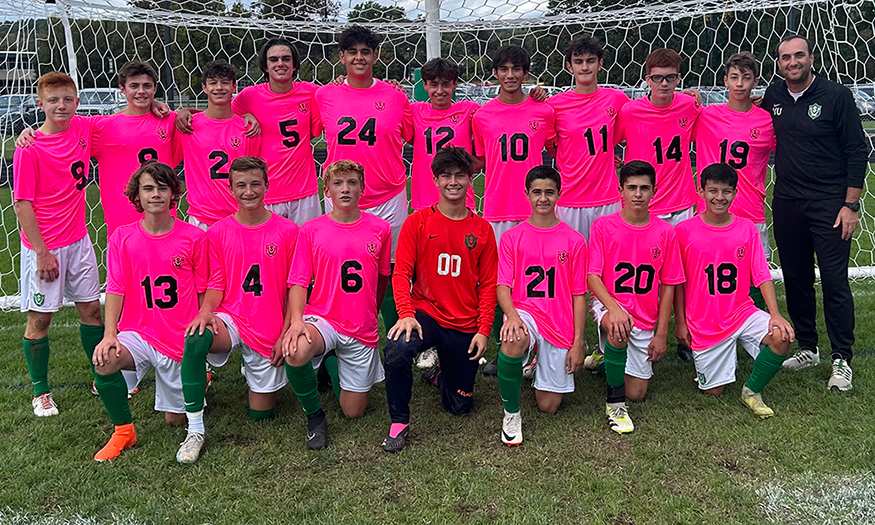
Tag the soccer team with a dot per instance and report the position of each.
(260, 268)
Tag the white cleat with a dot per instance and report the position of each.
(841, 376)
(427, 359)
(802, 359)
(190, 449)
(618, 418)
(512, 429)
(44, 406)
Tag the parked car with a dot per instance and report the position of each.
(865, 104)
(100, 101)
(12, 112)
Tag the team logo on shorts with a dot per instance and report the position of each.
(533, 125)
(814, 111)
(271, 249)
(470, 241)
(82, 143)
(177, 260)
(682, 122)
(302, 107)
(610, 111)
(562, 255)
(162, 134)
(702, 379)
(380, 106)
(39, 299)
(754, 133)
(311, 319)
(236, 141)
(740, 252)
(454, 119)
(372, 248)
(655, 253)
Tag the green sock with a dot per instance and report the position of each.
(765, 367)
(305, 386)
(114, 393)
(510, 379)
(36, 353)
(757, 297)
(388, 310)
(260, 415)
(194, 370)
(330, 364)
(90, 337)
(615, 365)
(496, 325)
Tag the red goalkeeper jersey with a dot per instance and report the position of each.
(453, 266)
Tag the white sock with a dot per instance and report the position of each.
(195, 422)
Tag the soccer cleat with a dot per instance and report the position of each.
(802, 359)
(209, 382)
(94, 391)
(491, 368)
(396, 444)
(841, 376)
(754, 402)
(618, 418)
(529, 369)
(431, 376)
(685, 353)
(317, 439)
(512, 429)
(594, 361)
(427, 359)
(44, 406)
(122, 439)
(190, 449)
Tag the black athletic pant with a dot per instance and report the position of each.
(456, 380)
(804, 228)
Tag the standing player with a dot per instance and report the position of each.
(156, 274)
(634, 266)
(219, 137)
(713, 310)
(658, 129)
(250, 259)
(57, 258)
(740, 134)
(367, 121)
(451, 253)
(585, 138)
(541, 287)
(346, 255)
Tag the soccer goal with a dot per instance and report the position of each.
(90, 39)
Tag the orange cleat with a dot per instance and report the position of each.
(123, 438)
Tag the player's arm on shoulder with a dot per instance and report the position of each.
(25, 138)
(183, 120)
(577, 352)
(767, 288)
(657, 346)
(109, 343)
(619, 322)
(253, 128)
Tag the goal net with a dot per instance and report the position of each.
(91, 39)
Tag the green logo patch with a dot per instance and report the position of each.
(814, 111)
(39, 299)
(702, 378)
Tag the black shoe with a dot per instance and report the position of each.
(322, 375)
(396, 444)
(430, 376)
(491, 368)
(317, 439)
(685, 353)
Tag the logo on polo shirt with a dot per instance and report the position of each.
(302, 107)
(236, 141)
(372, 248)
(655, 253)
(754, 133)
(533, 125)
(740, 252)
(454, 119)
(271, 249)
(814, 111)
(562, 256)
(610, 111)
(176, 260)
(776, 110)
(380, 106)
(162, 134)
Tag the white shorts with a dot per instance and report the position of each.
(261, 376)
(581, 219)
(550, 372)
(764, 238)
(168, 378)
(675, 217)
(637, 364)
(500, 227)
(299, 210)
(393, 210)
(195, 222)
(78, 280)
(715, 366)
(358, 366)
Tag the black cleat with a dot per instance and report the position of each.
(430, 376)
(396, 444)
(491, 368)
(685, 353)
(317, 438)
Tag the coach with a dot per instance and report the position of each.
(820, 164)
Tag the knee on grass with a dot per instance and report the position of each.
(548, 402)
(457, 404)
(716, 391)
(174, 419)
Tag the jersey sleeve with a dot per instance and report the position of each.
(759, 272)
(201, 263)
(316, 126)
(506, 261)
(405, 262)
(115, 275)
(407, 123)
(579, 268)
(24, 166)
(550, 137)
(596, 261)
(240, 103)
(479, 150)
(672, 271)
(301, 273)
(385, 262)
(216, 261)
(619, 126)
(486, 287)
(253, 145)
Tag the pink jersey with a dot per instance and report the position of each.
(208, 153)
(585, 140)
(719, 275)
(662, 136)
(159, 277)
(512, 138)
(345, 260)
(744, 141)
(121, 143)
(370, 127)
(544, 268)
(52, 175)
(633, 261)
(288, 122)
(432, 130)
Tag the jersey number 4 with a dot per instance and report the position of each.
(252, 281)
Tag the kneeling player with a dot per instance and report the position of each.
(541, 287)
(346, 253)
(250, 258)
(156, 271)
(722, 255)
(450, 305)
(633, 266)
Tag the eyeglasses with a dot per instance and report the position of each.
(657, 79)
